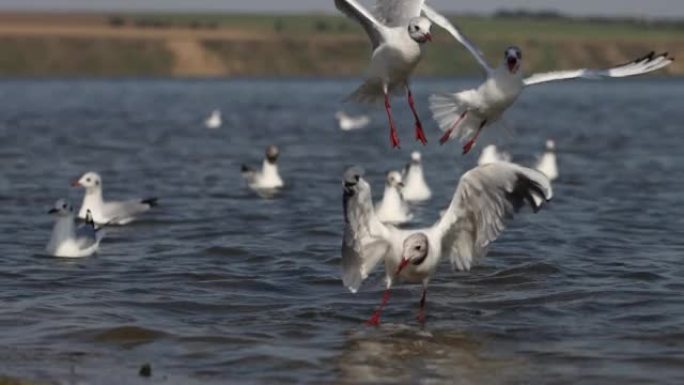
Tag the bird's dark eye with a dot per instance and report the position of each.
(87, 179)
(417, 247)
(64, 206)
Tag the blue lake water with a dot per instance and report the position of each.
(217, 285)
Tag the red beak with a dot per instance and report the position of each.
(428, 37)
(74, 183)
(404, 262)
(512, 64)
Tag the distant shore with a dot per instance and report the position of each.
(40, 44)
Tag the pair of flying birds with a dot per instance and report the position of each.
(399, 28)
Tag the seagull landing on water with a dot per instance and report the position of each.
(397, 31)
(463, 115)
(491, 154)
(547, 162)
(347, 122)
(415, 188)
(108, 212)
(214, 120)
(392, 208)
(69, 241)
(268, 177)
(485, 197)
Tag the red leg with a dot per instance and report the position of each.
(394, 138)
(468, 146)
(374, 320)
(420, 135)
(421, 311)
(447, 134)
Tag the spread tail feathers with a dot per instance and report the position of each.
(152, 202)
(450, 109)
(371, 92)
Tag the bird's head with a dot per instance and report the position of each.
(61, 208)
(394, 179)
(272, 153)
(353, 181)
(550, 145)
(415, 251)
(415, 157)
(513, 59)
(91, 181)
(419, 29)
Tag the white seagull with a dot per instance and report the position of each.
(268, 177)
(347, 122)
(547, 162)
(485, 197)
(415, 188)
(108, 212)
(464, 114)
(491, 154)
(69, 241)
(214, 120)
(397, 31)
(392, 208)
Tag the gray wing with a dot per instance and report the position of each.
(365, 241)
(358, 12)
(485, 198)
(640, 66)
(126, 209)
(86, 236)
(443, 22)
(397, 13)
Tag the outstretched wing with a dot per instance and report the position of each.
(358, 12)
(397, 13)
(365, 241)
(485, 198)
(640, 66)
(443, 22)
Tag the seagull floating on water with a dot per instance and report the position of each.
(466, 113)
(268, 177)
(547, 162)
(392, 208)
(108, 212)
(397, 31)
(415, 188)
(69, 241)
(214, 121)
(485, 197)
(347, 122)
(491, 154)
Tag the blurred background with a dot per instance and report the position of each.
(308, 37)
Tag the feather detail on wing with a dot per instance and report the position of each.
(443, 22)
(356, 11)
(640, 66)
(365, 239)
(396, 13)
(486, 197)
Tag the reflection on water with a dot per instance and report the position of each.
(408, 355)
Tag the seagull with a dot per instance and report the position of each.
(350, 123)
(466, 113)
(392, 208)
(397, 31)
(415, 189)
(214, 120)
(491, 154)
(485, 197)
(268, 177)
(69, 241)
(547, 162)
(108, 212)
